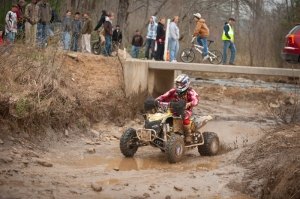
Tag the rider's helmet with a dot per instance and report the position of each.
(182, 83)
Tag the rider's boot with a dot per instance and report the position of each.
(187, 133)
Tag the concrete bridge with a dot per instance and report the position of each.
(156, 77)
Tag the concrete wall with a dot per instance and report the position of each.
(139, 79)
(135, 77)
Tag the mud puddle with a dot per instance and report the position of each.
(154, 162)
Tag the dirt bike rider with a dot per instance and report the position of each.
(183, 91)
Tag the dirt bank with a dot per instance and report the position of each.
(273, 165)
(43, 89)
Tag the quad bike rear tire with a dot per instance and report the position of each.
(175, 148)
(211, 144)
(127, 146)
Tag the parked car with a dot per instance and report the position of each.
(291, 50)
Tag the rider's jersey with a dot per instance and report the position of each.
(189, 97)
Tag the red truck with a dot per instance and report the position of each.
(291, 50)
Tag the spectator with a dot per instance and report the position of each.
(151, 37)
(108, 33)
(20, 15)
(11, 24)
(86, 33)
(137, 42)
(201, 32)
(228, 39)
(31, 16)
(1, 38)
(102, 20)
(160, 39)
(44, 21)
(76, 31)
(67, 29)
(174, 39)
(117, 35)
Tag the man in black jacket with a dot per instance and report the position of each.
(160, 39)
(137, 42)
(102, 20)
(117, 35)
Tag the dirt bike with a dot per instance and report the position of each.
(163, 129)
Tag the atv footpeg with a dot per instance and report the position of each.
(146, 135)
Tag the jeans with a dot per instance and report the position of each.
(42, 34)
(173, 48)
(75, 41)
(231, 46)
(67, 40)
(150, 44)
(107, 49)
(203, 42)
(11, 37)
(135, 50)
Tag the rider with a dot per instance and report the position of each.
(183, 91)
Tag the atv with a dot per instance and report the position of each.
(163, 129)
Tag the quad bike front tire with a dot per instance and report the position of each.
(127, 146)
(211, 144)
(175, 148)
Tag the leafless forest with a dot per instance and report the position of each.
(261, 24)
(260, 29)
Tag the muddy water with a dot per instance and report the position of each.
(137, 164)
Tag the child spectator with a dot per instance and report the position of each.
(137, 42)
(11, 24)
(117, 35)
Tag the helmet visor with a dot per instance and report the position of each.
(180, 85)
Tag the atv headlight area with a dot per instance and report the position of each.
(155, 125)
(146, 135)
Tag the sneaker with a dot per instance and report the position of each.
(232, 64)
(206, 57)
(174, 61)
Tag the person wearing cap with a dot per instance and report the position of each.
(201, 32)
(228, 39)
(11, 27)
